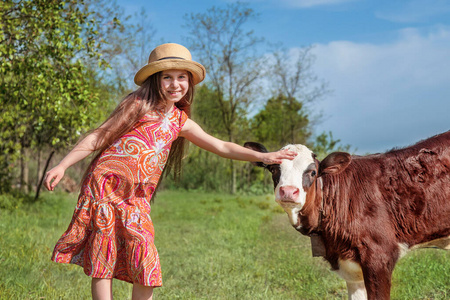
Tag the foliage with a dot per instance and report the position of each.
(55, 83)
(325, 144)
(205, 171)
(13, 200)
(46, 96)
(282, 121)
(206, 112)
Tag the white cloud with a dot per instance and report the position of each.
(414, 11)
(299, 3)
(390, 94)
(312, 3)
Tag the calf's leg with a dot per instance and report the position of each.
(352, 273)
(377, 275)
(356, 290)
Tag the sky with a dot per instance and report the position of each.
(386, 62)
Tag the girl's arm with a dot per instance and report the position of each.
(195, 134)
(79, 152)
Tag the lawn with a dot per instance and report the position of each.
(211, 246)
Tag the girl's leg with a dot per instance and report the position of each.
(142, 292)
(101, 289)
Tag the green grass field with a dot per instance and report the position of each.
(211, 246)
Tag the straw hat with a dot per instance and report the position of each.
(167, 57)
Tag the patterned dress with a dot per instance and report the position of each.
(111, 234)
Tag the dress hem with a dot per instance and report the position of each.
(109, 277)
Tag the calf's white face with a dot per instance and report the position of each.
(290, 191)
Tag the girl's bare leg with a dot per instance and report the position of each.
(142, 292)
(101, 289)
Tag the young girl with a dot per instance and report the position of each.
(111, 233)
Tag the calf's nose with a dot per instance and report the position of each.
(289, 193)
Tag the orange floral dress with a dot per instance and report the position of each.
(111, 234)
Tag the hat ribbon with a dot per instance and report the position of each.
(171, 57)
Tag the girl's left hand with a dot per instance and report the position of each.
(272, 158)
(53, 177)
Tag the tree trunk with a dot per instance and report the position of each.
(38, 189)
(233, 177)
(232, 166)
(23, 170)
(26, 177)
(38, 168)
(21, 180)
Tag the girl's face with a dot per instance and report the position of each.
(174, 85)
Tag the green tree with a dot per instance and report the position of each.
(47, 98)
(325, 144)
(202, 169)
(282, 121)
(288, 116)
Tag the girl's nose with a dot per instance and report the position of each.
(175, 83)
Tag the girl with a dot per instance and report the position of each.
(111, 233)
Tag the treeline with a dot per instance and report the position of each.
(66, 64)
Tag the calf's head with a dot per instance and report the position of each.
(297, 182)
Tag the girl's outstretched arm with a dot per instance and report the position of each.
(79, 152)
(195, 134)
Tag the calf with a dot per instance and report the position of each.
(368, 211)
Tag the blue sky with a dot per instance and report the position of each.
(386, 62)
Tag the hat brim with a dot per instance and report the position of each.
(197, 70)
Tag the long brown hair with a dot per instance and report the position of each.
(133, 108)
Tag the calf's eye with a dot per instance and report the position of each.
(313, 173)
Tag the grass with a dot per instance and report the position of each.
(211, 246)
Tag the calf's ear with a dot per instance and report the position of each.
(334, 163)
(257, 147)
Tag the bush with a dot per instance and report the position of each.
(14, 200)
(5, 175)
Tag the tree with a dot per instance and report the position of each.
(46, 96)
(199, 162)
(126, 42)
(295, 80)
(282, 121)
(294, 77)
(220, 42)
(325, 144)
(287, 116)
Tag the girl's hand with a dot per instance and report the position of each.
(271, 158)
(53, 177)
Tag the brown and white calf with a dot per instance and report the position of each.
(368, 211)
